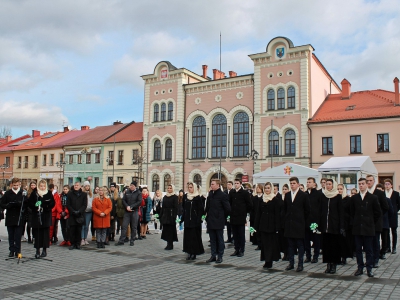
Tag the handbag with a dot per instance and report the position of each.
(80, 219)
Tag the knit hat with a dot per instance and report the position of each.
(134, 183)
(86, 183)
(113, 184)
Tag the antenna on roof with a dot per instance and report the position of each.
(220, 47)
(63, 123)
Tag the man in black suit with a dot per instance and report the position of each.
(229, 186)
(314, 217)
(365, 211)
(394, 197)
(296, 207)
(376, 246)
(217, 209)
(276, 192)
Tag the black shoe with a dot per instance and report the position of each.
(98, 245)
(219, 260)
(102, 245)
(235, 253)
(144, 237)
(289, 267)
(258, 248)
(106, 243)
(267, 265)
(358, 272)
(11, 254)
(228, 241)
(126, 240)
(140, 238)
(388, 250)
(72, 247)
(314, 260)
(394, 251)
(131, 243)
(16, 254)
(375, 266)
(119, 243)
(189, 257)
(328, 268)
(343, 261)
(382, 256)
(333, 269)
(193, 257)
(299, 268)
(240, 254)
(211, 259)
(307, 260)
(44, 253)
(78, 247)
(370, 274)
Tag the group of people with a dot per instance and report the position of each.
(294, 222)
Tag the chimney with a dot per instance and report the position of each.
(396, 91)
(346, 89)
(232, 74)
(85, 127)
(35, 133)
(205, 67)
(8, 138)
(218, 74)
(66, 129)
(117, 122)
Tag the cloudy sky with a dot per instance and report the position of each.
(79, 62)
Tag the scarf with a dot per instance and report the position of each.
(16, 191)
(42, 193)
(344, 193)
(389, 193)
(371, 190)
(173, 191)
(268, 197)
(333, 192)
(144, 197)
(191, 196)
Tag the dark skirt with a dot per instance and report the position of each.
(270, 250)
(192, 241)
(42, 237)
(347, 245)
(169, 233)
(331, 248)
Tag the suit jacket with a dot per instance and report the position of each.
(315, 207)
(12, 203)
(365, 214)
(217, 209)
(296, 214)
(384, 208)
(241, 204)
(395, 199)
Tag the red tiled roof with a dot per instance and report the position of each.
(361, 105)
(40, 141)
(10, 145)
(64, 139)
(131, 133)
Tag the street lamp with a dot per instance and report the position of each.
(253, 155)
(61, 164)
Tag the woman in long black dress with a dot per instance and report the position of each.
(331, 225)
(168, 216)
(256, 199)
(268, 222)
(193, 210)
(41, 202)
(346, 242)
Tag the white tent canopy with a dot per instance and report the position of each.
(349, 164)
(282, 173)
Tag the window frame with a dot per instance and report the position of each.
(135, 156)
(199, 138)
(273, 144)
(170, 114)
(219, 137)
(44, 161)
(156, 112)
(120, 157)
(168, 149)
(292, 144)
(377, 143)
(241, 134)
(110, 158)
(280, 98)
(197, 179)
(157, 150)
(355, 137)
(325, 144)
(88, 158)
(155, 182)
(163, 112)
(270, 101)
(291, 99)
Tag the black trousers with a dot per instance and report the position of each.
(238, 233)
(64, 229)
(315, 238)
(364, 243)
(217, 242)
(229, 231)
(292, 245)
(394, 238)
(14, 238)
(75, 232)
(385, 240)
(376, 245)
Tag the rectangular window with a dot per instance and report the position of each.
(120, 180)
(135, 156)
(383, 142)
(44, 162)
(51, 160)
(79, 158)
(97, 158)
(26, 161)
(61, 157)
(110, 158)
(109, 180)
(96, 181)
(19, 162)
(70, 159)
(88, 158)
(120, 157)
(35, 161)
(355, 144)
(70, 180)
(327, 146)
(7, 162)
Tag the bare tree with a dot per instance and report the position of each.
(4, 131)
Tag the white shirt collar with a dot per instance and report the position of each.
(363, 194)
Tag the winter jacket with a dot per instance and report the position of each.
(147, 209)
(57, 209)
(365, 214)
(268, 217)
(388, 215)
(384, 208)
(217, 209)
(241, 204)
(296, 214)
(42, 218)
(76, 204)
(169, 210)
(132, 199)
(12, 203)
(332, 219)
(394, 220)
(101, 206)
(193, 210)
(315, 206)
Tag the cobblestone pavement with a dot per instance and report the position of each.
(147, 271)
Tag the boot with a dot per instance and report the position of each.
(112, 235)
(98, 245)
(37, 255)
(102, 245)
(44, 253)
(189, 257)
(333, 268)
(328, 268)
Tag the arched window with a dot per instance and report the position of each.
(219, 136)
(273, 140)
(168, 149)
(167, 181)
(157, 150)
(240, 134)
(291, 103)
(156, 112)
(281, 98)
(290, 142)
(163, 111)
(271, 100)
(170, 111)
(156, 182)
(199, 137)
(197, 179)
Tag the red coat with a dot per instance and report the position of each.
(57, 209)
(98, 207)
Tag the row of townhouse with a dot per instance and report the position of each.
(100, 155)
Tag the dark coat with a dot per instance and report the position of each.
(315, 207)
(388, 215)
(147, 209)
(217, 209)
(365, 214)
(395, 199)
(347, 220)
(384, 208)
(241, 204)
(169, 210)
(268, 217)
(193, 210)
(12, 203)
(331, 215)
(296, 214)
(132, 199)
(256, 205)
(76, 204)
(42, 219)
